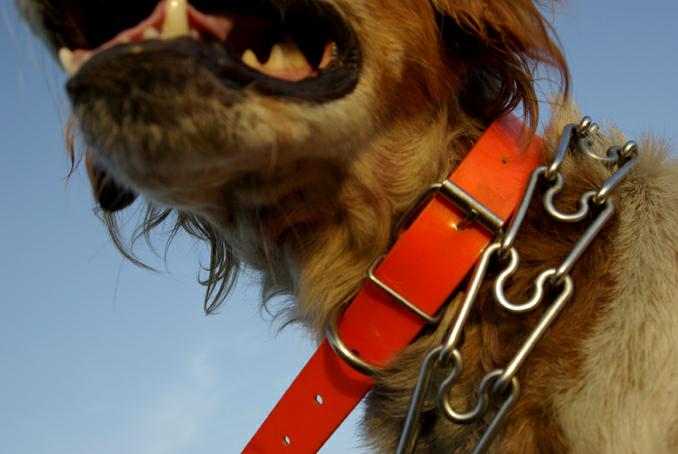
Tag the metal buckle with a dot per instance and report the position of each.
(341, 349)
(348, 355)
(477, 212)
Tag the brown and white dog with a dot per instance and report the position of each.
(291, 136)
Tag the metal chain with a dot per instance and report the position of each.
(501, 386)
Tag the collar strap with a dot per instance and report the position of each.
(427, 263)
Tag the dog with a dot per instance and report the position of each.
(293, 135)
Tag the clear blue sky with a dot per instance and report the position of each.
(97, 356)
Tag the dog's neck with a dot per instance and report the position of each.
(339, 215)
(492, 337)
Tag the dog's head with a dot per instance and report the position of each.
(267, 124)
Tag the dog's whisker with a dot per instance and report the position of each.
(269, 262)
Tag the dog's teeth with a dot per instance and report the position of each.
(84, 59)
(176, 19)
(151, 33)
(286, 56)
(66, 59)
(285, 61)
(294, 58)
(250, 59)
(277, 59)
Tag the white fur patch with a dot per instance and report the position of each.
(628, 398)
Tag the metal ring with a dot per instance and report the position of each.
(584, 242)
(537, 294)
(611, 155)
(463, 311)
(587, 126)
(345, 353)
(569, 132)
(630, 150)
(408, 437)
(511, 233)
(584, 125)
(550, 206)
(511, 370)
(603, 194)
(487, 438)
(479, 409)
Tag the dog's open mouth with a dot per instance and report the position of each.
(298, 49)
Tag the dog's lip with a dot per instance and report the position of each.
(336, 75)
(216, 26)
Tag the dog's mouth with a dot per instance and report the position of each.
(300, 49)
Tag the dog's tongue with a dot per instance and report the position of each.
(170, 19)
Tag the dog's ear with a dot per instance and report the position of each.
(497, 45)
(110, 196)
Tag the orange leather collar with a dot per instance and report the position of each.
(427, 263)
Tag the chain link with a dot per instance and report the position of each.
(501, 387)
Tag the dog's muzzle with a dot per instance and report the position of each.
(301, 49)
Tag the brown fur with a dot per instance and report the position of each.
(492, 337)
(303, 192)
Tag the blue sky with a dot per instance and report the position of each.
(98, 356)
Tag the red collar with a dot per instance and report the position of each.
(426, 264)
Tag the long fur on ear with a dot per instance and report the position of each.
(497, 45)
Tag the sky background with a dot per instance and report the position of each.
(97, 356)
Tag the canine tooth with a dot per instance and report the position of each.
(286, 56)
(277, 59)
(176, 19)
(250, 59)
(295, 59)
(66, 60)
(151, 33)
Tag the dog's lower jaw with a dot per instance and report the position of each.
(323, 262)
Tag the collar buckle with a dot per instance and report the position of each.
(476, 211)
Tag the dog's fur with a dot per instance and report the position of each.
(308, 193)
